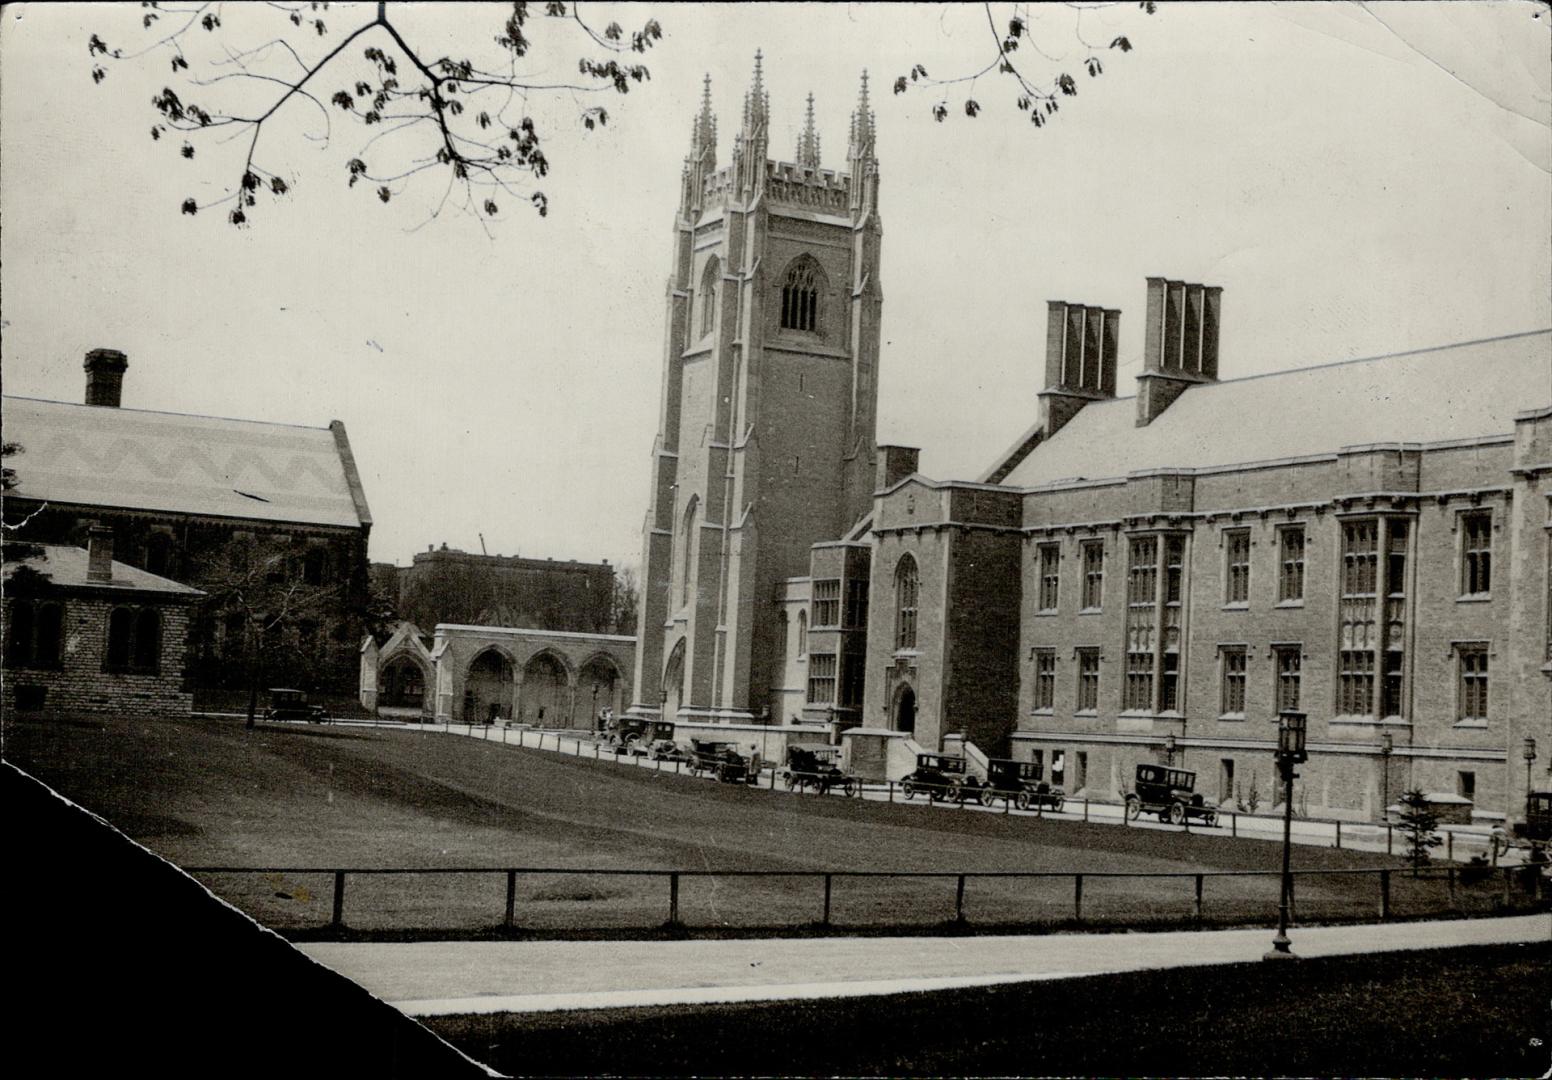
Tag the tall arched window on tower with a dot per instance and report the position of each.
(709, 279)
(905, 603)
(687, 549)
(800, 295)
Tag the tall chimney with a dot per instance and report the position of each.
(105, 377)
(1080, 360)
(99, 554)
(1180, 343)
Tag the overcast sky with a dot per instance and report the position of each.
(1360, 180)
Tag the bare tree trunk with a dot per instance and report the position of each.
(253, 677)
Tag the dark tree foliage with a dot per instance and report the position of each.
(465, 118)
(1038, 95)
(1419, 824)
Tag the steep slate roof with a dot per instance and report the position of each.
(66, 565)
(1461, 391)
(99, 456)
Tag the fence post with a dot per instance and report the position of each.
(1449, 845)
(826, 920)
(673, 899)
(1388, 837)
(1339, 836)
(1450, 873)
(1508, 873)
(773, 779)
(891, 791)
(1198, 897)
(1007, 803)
(338, 922)
(511, 897)
(1077, 898)
(1085, 808)
(1234, 825)
(503, 736)
(1384, 894)
(959, 898)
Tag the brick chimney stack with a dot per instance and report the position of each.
(1080, 360)
(105, 377)
(1180, 343)
(99, 554)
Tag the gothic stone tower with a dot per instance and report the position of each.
(766, 429)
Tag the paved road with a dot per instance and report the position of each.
(1461, 842)
(434, 978)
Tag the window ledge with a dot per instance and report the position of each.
(1235, 717)
(1046, 711)
(1238, 605)
(1091, 611)
(1470, 725)
(1290, 603)
(1169, 714)
(1085, 712)
(1475, 598)
(1048, 611)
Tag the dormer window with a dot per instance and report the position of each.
(800, 297)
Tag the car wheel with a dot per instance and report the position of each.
(1177, 814)
(1021, 800)
(1211, 818)
(1133, 808)
(850, 788)
(987, 795)
(789, 782)
(908, 789)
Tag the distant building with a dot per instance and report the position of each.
(210, 503)
(446, 585)
(86, 634)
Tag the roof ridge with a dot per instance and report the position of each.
(1381, 356)
(168, 412)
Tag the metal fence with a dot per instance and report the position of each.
(807, 898)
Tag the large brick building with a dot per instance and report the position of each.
(1137, 579)
(268, 520)
(446, 585)
(766, 426)
(1153, 578)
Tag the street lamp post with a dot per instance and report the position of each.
(1530, 759)
(1169, 749)
(1387, 747)
(1290, 752)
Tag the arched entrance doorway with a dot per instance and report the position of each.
(401, 684)
(598, 688)
(488, 690)
(673, 683)
(546, 692)
(905, 709)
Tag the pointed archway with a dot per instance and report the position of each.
(673, 683)
(488, 690)
(904, 712)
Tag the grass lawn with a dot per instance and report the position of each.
(209, 793)
(1448, 1012)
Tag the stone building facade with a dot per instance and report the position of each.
(86, 634)
(212, 503)
(765, 440)
(1152, 578)
(488, 674)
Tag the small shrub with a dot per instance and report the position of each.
(1420, 826)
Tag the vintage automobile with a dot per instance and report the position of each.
(938, 776)
(722, 760)
(1169, 793)
(1022, 782)
(1534, 834)
(817, 766)
(293, 705)
(666, 750)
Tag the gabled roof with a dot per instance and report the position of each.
(1467, 391)
(135, 459)
(66, 566)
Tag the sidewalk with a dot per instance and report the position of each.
(437, 978)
